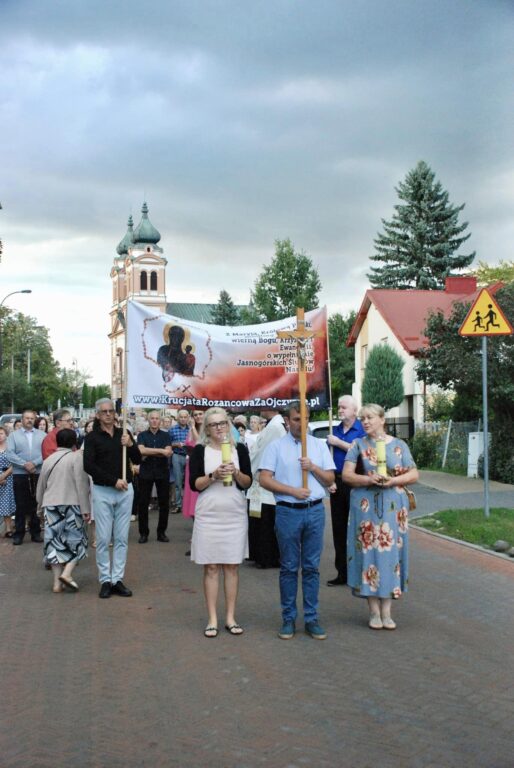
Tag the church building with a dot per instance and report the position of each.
(139, 273)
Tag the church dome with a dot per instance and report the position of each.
(145, 232)
(128, 240)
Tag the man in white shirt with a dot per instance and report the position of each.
(299, 518)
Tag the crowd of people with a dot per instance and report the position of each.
(244, 483)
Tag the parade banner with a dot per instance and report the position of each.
(172, 362)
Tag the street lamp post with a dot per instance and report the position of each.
(25, 290)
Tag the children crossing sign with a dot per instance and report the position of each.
(485, 318)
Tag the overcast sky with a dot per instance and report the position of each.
(240, 123)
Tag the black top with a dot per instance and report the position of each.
(103, 456)
(197, 464)
(154, 467)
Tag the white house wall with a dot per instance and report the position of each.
(375, 330)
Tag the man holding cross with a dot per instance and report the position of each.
(111, 496)
(299, 517)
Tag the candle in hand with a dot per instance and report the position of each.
(226, 457)
(381, 457)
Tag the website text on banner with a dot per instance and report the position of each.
(175, 362)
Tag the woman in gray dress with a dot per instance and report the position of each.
(63, 495)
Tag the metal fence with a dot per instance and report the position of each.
(451, 442)
(401, 427)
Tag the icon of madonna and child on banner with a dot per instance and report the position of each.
(176, 362)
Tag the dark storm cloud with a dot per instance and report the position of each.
(243, 122)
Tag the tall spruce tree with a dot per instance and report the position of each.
(225, 312)
(418, 246)
(383, 380)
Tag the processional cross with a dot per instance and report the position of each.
(302, 335)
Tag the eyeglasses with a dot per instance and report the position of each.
(217, 424)
(107, 410)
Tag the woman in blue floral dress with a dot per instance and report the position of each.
(7, 503)
(378, 522)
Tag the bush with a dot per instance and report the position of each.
(440, 406)
(425, 448)
(501, 454)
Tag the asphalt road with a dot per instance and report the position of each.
(125, 683)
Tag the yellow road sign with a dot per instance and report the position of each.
(485, 318)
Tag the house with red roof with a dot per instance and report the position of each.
(398, 318)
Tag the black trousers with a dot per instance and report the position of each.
(340, 509)
(163, 496)
(26, 505)
(266, 554)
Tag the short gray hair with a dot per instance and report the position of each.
(102, 401)
(60, 414)
(349, 399)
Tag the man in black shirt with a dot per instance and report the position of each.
(112, 496)
(155, 447)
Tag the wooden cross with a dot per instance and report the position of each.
(302, 335)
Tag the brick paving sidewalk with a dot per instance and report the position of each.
(123, 683)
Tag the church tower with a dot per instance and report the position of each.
(139, 273)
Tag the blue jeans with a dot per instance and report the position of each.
(179, 467)
(300, 540)
(112, 510)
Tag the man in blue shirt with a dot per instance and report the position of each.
(24, 453)
(178, 435)
(299, 518)
(343, 436)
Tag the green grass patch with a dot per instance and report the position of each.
(471, 525)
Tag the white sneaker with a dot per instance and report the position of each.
(133, 518)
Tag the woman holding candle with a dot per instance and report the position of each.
(378, 523)
(220, 471)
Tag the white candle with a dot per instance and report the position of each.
(381, 457)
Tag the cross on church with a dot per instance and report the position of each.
(302, 335)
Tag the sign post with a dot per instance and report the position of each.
(484, 319)
(301, 335)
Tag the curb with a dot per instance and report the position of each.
(468, 544)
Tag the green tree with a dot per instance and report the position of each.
(487, 274)
(342, 358)
(418, 247)
(440, 406)
(225, 311)
(102, 390)
(383, 380)
(454, 362)
(288, 282)
(72, 382)
(94, 396)
(86, 395)
(30, 374)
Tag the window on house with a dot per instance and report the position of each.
(153, 281)
(143, 281)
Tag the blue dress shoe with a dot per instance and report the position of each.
(313, 629)
(287, 630)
